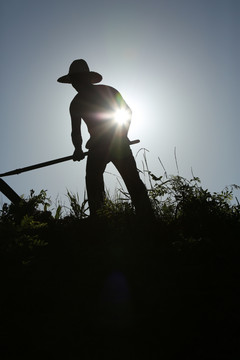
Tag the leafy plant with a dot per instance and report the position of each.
(77, 210)
(23, 227)
(116, 208)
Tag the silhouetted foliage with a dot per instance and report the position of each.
(182, 270)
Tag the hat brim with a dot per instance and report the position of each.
(90, 77)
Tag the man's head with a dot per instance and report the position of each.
(80, 75)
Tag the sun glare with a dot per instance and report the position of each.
(121, 116)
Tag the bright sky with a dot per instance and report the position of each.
(175, 62)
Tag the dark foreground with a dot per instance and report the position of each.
(112, 290)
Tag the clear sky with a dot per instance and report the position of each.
(175, 62)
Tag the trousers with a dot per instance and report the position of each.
(123, 160)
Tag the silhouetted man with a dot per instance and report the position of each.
(99, 106)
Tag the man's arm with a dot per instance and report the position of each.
(76, 132)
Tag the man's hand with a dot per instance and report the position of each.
(78, 155)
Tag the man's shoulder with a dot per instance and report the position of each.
(106, 88)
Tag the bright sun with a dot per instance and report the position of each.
(121, 116)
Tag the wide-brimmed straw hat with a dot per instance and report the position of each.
(79, 70)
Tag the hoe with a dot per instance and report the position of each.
(12, 195)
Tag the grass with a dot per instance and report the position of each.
(114, 287)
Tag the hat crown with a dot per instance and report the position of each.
(78, 66)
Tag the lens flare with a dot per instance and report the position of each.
(121, 116)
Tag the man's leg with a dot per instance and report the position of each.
(96, 164)
(128, 170)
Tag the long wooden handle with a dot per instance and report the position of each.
(9, 192)
(48, 163)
